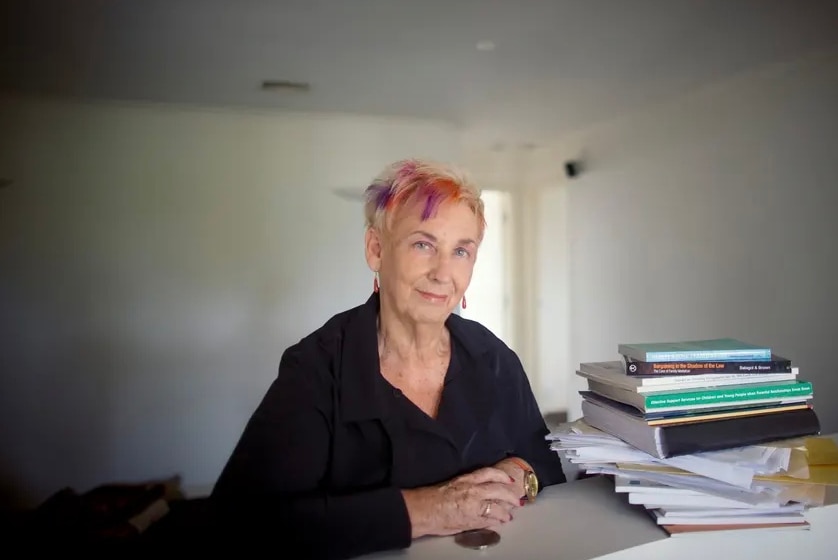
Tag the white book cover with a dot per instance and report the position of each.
(706, 501)
(750, 518)
(731, 512)
(614, 373)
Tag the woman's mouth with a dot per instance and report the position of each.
(434, 298)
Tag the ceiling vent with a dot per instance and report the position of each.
(285, 85)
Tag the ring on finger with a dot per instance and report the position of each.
(487, 510)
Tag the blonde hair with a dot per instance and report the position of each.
(413, 180)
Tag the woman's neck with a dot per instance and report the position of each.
(408, 341)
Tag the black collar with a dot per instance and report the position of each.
(362, 389)
(364, 393)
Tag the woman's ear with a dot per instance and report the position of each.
(372, 248)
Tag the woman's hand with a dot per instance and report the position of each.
(480, 499)
(514, 470)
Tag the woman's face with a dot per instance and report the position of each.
(425, 266)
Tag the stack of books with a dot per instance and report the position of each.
(677, 398)
(723, 411)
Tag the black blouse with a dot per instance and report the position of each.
(323, 458)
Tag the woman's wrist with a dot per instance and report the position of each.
(516, 468)
(529, 479)
(413, 501)
(521, 464)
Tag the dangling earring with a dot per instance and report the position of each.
(375, 283)
(464, 302)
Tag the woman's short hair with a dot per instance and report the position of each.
(413, 180)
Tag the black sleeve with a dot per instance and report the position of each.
(529, 428)
(273, 483)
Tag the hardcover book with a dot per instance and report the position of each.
(691, 416)
(696, 437)
(719, 349)
(777, 364)
(614, 373)
(778, 392)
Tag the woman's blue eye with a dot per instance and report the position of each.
(421, 245)
(461, 252)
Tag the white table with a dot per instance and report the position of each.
(585, 519)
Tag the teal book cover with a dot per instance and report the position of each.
(726, 349)
(741, 394)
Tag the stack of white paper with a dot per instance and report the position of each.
(718, 490)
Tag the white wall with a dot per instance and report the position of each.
(510, 169)
(154, 263)
(488, 297)
(714, 215)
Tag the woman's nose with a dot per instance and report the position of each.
(441, 269)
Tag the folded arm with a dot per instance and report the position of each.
(273, 484)
(528, 430)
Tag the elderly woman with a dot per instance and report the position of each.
(396, 419)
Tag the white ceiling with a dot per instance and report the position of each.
(558, 65)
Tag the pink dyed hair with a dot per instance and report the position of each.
(413, 180)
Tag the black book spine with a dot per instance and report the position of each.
(713, 435)
(776, 364)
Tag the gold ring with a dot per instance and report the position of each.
(487, 510)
